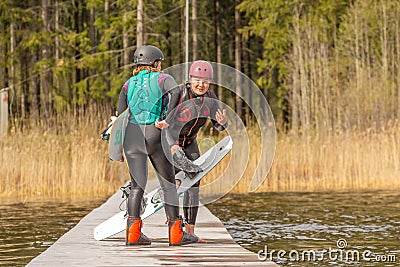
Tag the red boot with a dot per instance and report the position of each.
(134, 235)
(177, 237)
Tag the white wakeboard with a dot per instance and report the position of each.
(154, 200)
(117, 136)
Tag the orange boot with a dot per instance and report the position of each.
(134, 235)
(177, 237)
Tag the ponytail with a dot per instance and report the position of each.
(144, 67)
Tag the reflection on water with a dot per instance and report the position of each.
(27, 229)
(361, 221)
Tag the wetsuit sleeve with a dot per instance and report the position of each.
(122, 100)
(175, 95)
(215, 106)
(169, 85)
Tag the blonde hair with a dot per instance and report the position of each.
(140, 68)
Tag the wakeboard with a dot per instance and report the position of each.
(153, 201)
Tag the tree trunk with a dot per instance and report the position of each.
(12, 78)
(108, 60)
(125, 40)
(398, 68)
(139, 24)
(247, 71)
(35, 90)
(24, 86)
(57, 48)
(181, 37)
(74, 93)
(46, 73)
(93, 33)
(3, 57)
(12, 53)
(238, 62)
(57, 30)
(217, 46)
(296, 77)
(194, 31)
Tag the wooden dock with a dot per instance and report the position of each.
(78, 247)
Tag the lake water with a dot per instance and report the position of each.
(329, 229)
(298, 224)
(27, 229)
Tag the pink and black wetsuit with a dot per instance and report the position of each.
(185, 122)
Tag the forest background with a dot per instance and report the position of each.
(330, 70)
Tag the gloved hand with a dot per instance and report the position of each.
(105, 134)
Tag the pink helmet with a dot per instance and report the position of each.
(201, 69)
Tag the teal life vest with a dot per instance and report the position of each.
(144, 98)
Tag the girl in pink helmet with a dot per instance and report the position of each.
(197, 103)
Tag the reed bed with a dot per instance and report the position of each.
(352, 160)
(75, 162)
(340, 161)
(51, 162)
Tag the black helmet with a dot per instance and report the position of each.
(147, 55)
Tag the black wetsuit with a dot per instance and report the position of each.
(142, 140)
(185, 122)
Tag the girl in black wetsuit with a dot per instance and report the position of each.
(196, 104)
(142, 94)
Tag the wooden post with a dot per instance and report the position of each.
(3, 112)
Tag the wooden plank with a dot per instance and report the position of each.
(78, 247)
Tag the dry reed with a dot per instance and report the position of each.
(51, 162)
(75, 162)
(340, 161)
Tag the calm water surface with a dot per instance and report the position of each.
(27, 229)
(344, 223)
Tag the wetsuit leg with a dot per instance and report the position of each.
(162, 163)
(191, 198)
(136, 157)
